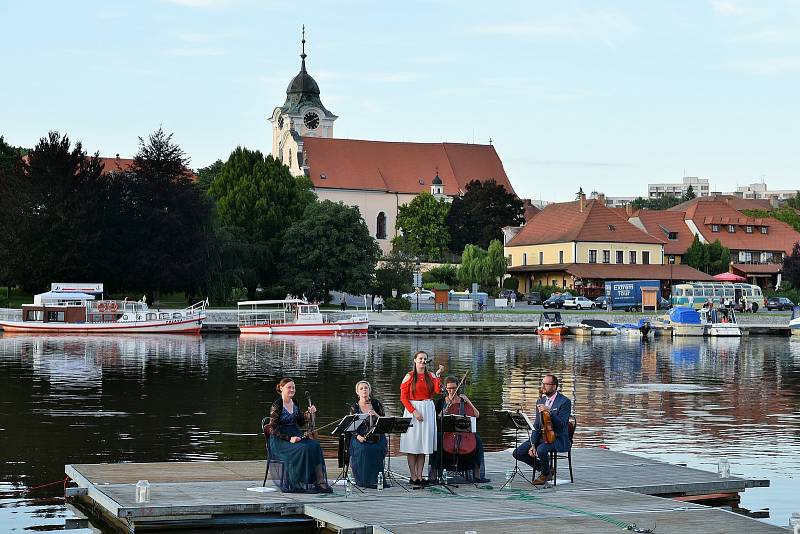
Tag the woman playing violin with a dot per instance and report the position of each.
(299, 464)
(460, 451)
(367, 453)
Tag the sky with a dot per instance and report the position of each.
(602, 95)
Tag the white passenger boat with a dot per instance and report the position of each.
(297, 317)
(794, 322)
(82, 312)
(685, 321)
(596, 327)
(720, 322)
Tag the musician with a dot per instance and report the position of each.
(416, 393)
(536, 452)
(367, 453)
(300, 466)
(466, 455)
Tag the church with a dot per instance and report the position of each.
(376, 176)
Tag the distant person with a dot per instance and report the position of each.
(379, 303)
(343, 304)
(513, 300)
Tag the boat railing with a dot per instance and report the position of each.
(10, 314)
(195, 310)
(335, 317)
(260, 317)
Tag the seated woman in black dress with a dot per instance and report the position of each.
(463, 454)
(298, 462)
(367, 454)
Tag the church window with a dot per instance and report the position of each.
(381, 226)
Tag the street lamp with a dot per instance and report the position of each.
(418, 282)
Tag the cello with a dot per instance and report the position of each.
(456, 443)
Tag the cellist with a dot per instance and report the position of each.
(460, 451)
(536, 452)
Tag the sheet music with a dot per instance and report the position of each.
(473, 422)
(527, 420)
(358, 419)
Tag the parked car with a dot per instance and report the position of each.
(779, 303)
(533, 297)
(578, 303)
(601, 301)
(556, 300)
(424, 294)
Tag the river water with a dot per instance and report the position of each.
(83, 399)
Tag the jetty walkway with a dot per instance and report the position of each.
(612, 492)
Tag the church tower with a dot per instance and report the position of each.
(301, 115)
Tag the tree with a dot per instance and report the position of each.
(12, 197)
(711, 258)
(496, 261)
(423, 225)
(479, 215)
(329, 248)
(791, 266)
(62, 205)
(483, 266)
(660, 203)
(394, 271)
(786, 214)
(689, 195)
(164, 224)
(446, 274)
(260, 199)
(207, 175)
(794, 202)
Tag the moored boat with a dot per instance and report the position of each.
(78, 310)
(551, 324)
(686, 321)
(794, 322)
(597, 327)
(297, 317)
(720, 322)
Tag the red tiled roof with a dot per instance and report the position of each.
(733, 201)
(612, 271)
(563, 222)
(111, 165)
(779, 237)
(623, 212)
(660, 223)
(400, 167)
(756, 268)
(530, 209)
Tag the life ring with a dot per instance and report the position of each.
(101, 307)
(125, 317)
(113, 306)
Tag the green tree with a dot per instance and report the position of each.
(207, 175)
(711, 258)
(395, 271)
(794, 202)
(12, 198)
(423, 225)
(660, 203)
(496, 261)
(164, 223)
(485, 267)
(446, 274)
(791, 266)
(689, 195)
(329, 248)
(258, 199)
(480, 214)
(786, 214)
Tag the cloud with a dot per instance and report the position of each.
(583, 26)
(769, 35)
(769, 66)
(195, 52)
(727, 8)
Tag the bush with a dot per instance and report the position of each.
(785, 290)
(435, 285)
(511, 283)
(397, 304)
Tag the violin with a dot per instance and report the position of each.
(459, 442)
(311, 432)
(547, 424)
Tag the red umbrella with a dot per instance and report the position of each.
(729, 277)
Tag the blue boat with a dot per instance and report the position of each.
(686, 321)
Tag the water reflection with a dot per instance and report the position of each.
(159, 398)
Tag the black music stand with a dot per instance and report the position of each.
(347, 425)
(517, 421)
(391, 425)
(450, 423)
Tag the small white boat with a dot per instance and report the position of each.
(297, 317)
(794, 322)
(720, 322)
(68, 312)
(642, 329)
(597, 327)
(685, 321)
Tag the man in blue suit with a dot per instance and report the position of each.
(535, 452)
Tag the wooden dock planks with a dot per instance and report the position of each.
(610, 489)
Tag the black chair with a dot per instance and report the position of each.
(571, 422)
(270, 460)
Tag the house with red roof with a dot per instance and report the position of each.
(376, 176)
(579, 245)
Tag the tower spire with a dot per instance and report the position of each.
(303, 52)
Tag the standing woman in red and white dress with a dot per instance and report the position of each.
(416, 394)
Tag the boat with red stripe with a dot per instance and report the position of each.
(297, 317)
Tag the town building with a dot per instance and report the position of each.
(760, 190)
(376, 176)
(699, 186)
(670, 226)
(579, 245)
